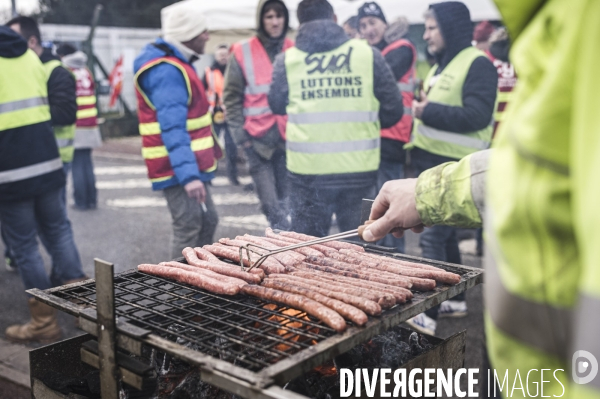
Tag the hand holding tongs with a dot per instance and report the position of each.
(270, 251)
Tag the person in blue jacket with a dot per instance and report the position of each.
(179, 150)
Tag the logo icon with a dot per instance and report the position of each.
(584, 367)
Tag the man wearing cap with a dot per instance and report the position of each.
(400, 54)
(254, 127)
(453, 118)
(337, 93)
(175, 124)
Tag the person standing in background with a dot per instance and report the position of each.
(61, 99)
(87, 134)
(452, 119)
(214, 82)
(351, 27)
(178, 145)
(481, 35)
(507, 77)
(254, 127)
(401, 55)
(333, 130)
(31, 184)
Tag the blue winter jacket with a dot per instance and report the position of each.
(165, 86)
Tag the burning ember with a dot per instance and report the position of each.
(288, 321)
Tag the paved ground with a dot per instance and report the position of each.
(132, 226)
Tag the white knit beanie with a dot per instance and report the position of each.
(182, 21)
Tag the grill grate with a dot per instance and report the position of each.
(242, 330)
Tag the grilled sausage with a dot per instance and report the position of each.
(227, 270)
(203, 254)
(401, 294)
(350, 312)
(269, 265)
(306, 251)
(368, 306)
(321, 248)
(439, 275)
(266, 244)
(384, 300)
(313, 308)
(402, 262)
(192, 278)
(333, 244)
(205, 272)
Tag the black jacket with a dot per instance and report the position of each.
(26, 145)
(62, 95)
(479, 89)
(324, 35)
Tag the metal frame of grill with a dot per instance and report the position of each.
(236, 341)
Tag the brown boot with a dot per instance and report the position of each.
(42, 327)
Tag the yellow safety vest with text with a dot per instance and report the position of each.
(333, 115)
(447, 90)
(65, 135)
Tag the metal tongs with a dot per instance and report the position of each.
(269, 252)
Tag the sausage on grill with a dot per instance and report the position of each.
(401, 294)
(295, 257)
(227, 270)
(366, 305)
(333, 244)
(383, 299)
(321, 248)
(350, 312)
(306, 251)
(205, 272)
(269, 265)
(192, 278)
(313, 308)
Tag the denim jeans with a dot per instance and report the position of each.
(84, 181)
(192, 227)
(270, 180)
(437, 242)
(312, 207)
(20, 223)
(389, 170)
(230, 153)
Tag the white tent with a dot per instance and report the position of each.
(241, 14)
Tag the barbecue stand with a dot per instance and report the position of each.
(235, 341)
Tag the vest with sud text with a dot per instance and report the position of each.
(257, 69)
(198, 123)
(24, 102)
(447, 90)
(333, 115)
(406, 84)
(65, 135)
(87, 134)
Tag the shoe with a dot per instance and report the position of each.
(249, 187)
(234, 181)
(43, 326)
(11, 266)
(423, 324)
(453, 309)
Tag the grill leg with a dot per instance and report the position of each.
(105, 306)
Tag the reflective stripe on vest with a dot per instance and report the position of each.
(87, 113)
(22, 101)
(447, 90)
(147, 129)
(86, 100)
(30, 171)
(161, 151)
(215, 83)
(336, 132)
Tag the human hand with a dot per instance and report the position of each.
(195, 189)
(419, 105)
(394, 208)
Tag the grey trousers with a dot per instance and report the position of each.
(192, 227)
